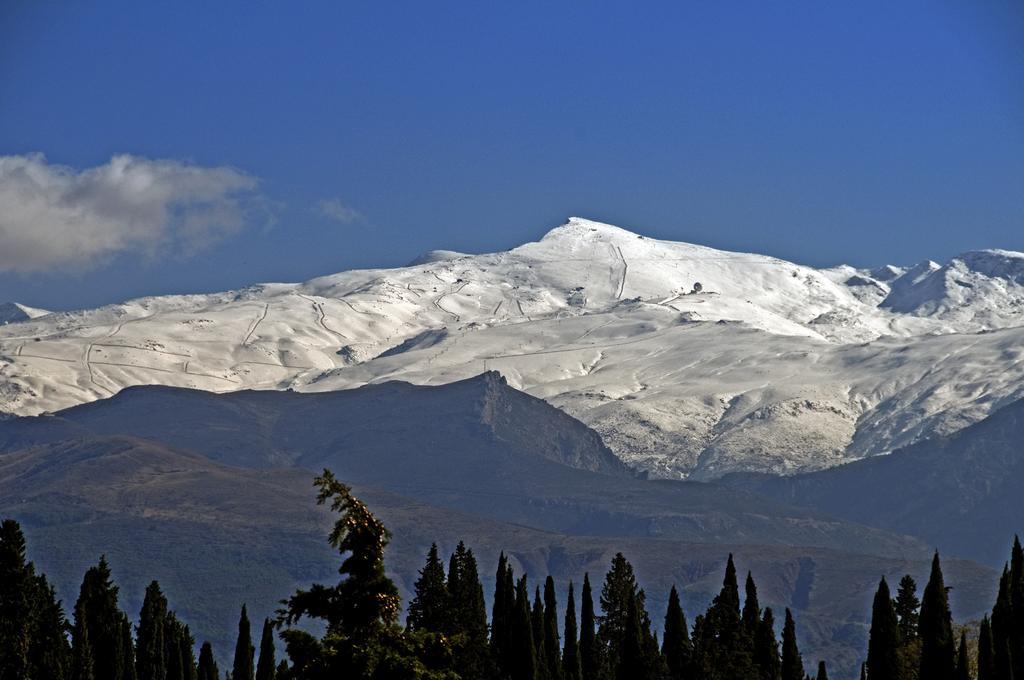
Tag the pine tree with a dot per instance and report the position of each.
(938, 650)
(963, 664)
(751, 607)
(792, 664)
(766, 648)
(906, 606)
(522, 664)
(207, 666)
(552, 643)
(103, 621)
(630, 655)
(986, 655)
(127, 649)
(884, 639)
(430, 608)
(590, 660)
(267, 668)
(822, 671)
(150, 660)
(571, 668)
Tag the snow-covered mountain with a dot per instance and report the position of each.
(689, 361)
(12, 312)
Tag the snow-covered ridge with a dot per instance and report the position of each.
(689, 360)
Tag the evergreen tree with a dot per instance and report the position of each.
(82, 664)
(676, 641)
(884, 639)
(766, 648)
(103, 622)
(501, 608)
(468, 625)
(242, 669)
(617, 596)
(986, 655)
(963, 664)
(723, 649)
(537, 630)
(150, 658)
(522, 663)
(792, 664)
(632, 664)
(49, 651)
(430, 608)
(751, 607)
(571, 668)
(938, 649)
(207, 666)
(15, 602)
(906, 607)
(552, 643)
(282, 672)
(590, 660)
(822, 671)
(1002, 623)
(266, 669)
(1016, 631)
(127, 649)
(864, 671)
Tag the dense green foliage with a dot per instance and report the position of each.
(447, 636)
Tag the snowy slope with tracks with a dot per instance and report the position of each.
(766, 365)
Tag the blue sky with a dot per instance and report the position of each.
(336, 135)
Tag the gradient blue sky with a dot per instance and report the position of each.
(822, 132)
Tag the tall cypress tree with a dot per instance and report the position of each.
(15, 602)
(792, 663)
(884, 639)
(986, 654)
(822, 671)
(590, 660)
(468, 616)
(522, 661)
(430, 608)
(1002, 624)
(49, 652)
(127, 649)
(906, 607)
(103, 621)
(632, 664)
(242, 669)
(766, 648)
(617, 595)
(501, 608)
(675, 645)
(751, 607)
(82, 664)
(150, 659)
(207, 665)
(267, 667)
(963, 664)
(1016, 631)
(571, 668)
(552, 643)
(537, 629)
(723, 649)
(938, 649)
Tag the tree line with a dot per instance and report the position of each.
(913, 638)
(449, 636)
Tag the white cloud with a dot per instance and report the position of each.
(55, 216)
(334, 209)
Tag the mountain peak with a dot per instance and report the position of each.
(12, 312)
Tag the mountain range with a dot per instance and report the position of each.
(690, 362)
